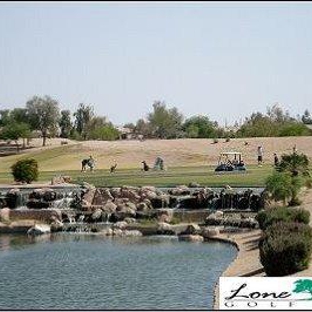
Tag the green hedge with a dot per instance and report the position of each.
(285, 248)
(282, 214)
(25, 170)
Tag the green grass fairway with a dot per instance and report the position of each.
(204, 175)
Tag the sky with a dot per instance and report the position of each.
(225, 60)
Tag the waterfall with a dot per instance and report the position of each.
(108, 216)
(80, 219)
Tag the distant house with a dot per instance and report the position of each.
(125, 133)
(128, 134)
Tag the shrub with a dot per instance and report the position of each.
(286, 248)
(268, 217)
(25, 170)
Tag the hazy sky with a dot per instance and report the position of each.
(224, 59)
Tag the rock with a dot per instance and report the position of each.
(180, 190)
(194, 184)
(56, 226)
(67, 179)
(49, 195)
(107, 232)
(210, 232)
(121, 213)
(130, 220)
(39, 229)
(97, 215)
(192, 229)
(117, 232)
(121, 201)
(131, 205)
(219, 214)
(143, 206)
(4, 215)
(109, 207)
(87, 186)
(191, 238)
(165, 229)
(120, 225)
(88, 196)
(131, 194)
(60, 180)
(134, 233)
(102, 196)
(164, 215)
(116, 192)
(148, 188)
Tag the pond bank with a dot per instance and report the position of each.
(247, 262)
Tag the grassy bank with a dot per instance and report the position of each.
(204, 175)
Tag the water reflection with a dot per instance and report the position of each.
(75, 271)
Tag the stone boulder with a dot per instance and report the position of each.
(143, 206)
(130, 220)
(107, 232)
(117, 232)
(121, 225)
(192, 229)
(180, 190)
(191, 238)
(215, 218)
(122, 212)
(132, 233)
(56, 226)
(131, 194)
(164, 215)
(165, 229)
(98, 215)
(116, 192)
(102, 196)
(39, 229)
(109, 207)
(88, 196)
(4, 215)
(210, 232)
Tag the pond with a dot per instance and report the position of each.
(84, 271)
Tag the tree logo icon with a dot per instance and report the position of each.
(303, 286)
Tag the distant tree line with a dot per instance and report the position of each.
(43, 116)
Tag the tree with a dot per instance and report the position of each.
(200, 127)
(83, 116)
(43, 115)
(19, 115)
(143, 127)
(295, 164)
(288, 178)
(15, 131)
(4, 117)
(280, 186)
(106, 133)
(165, 123)
(65, 123)
(303, 285)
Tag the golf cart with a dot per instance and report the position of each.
(230, 161)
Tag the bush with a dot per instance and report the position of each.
(281, 214)
(286, 248)
(25, 170)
